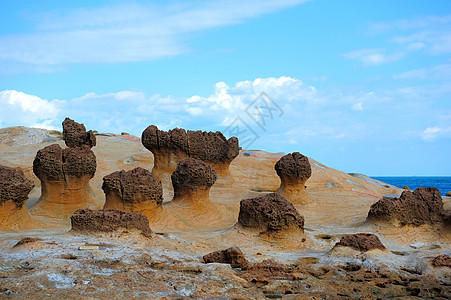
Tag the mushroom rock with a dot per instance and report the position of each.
(233, 256)
(135, 190)
(192, 180)
(362, 242)
(64, 175)
(75, 135)
(171, 147)
(422, 206)
(271, 214)
(92, 221)
(14, 190)
(294, 169)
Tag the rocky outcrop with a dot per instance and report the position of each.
(271, 213)
(448, 194)
(422, 206)
(133, 191)
(294, 169)
(91, 221)
(14, 190)
(442, 260)
(233, 256)
(192, 181)
(171, 147)
(64, 175)
(75, 134)
(362, 242)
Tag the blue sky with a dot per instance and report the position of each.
(361, 86)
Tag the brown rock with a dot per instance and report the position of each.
(75, 135)
(232, 256)
(192, 181)
(64, 175)
(170, 148)
(361, 242)
(268, 271)
(422, 206)
(135, 190)
(14, 190)
(268, 213)
(87, 220)
(294, 169)
(448, 194)
(442, 261)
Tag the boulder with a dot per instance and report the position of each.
(448, 194)
(192, 181)
(422, 206)
(171, 147)
(362, 242)
(14, 190)
(232, 256)
(270, 213)
(64, 175)
(75, 134)
(92, 221)
(294, 170)
(442, 260)
(135, 190)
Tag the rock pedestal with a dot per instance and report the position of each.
(14, 190)
(294, 169)
(133, 191)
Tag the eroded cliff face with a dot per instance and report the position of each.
(171, 147)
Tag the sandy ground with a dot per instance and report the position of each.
(128, 265)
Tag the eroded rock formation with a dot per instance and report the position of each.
(133, 191)
(442, 260)
(75, 134)
(362, 242)
(422, 206)
(294, 169)
(271, 213)
(233, 256)
(14, 190)
(64, 175)
(171, 147)
(87, 220)
(192, 181)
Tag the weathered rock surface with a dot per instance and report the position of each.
(171, 147)
(136, 190)
(192, 181)
(233, 256)
(87, 220)
(422, 206)
(267, 271)
(64, 175)
(294, 170)
(14, 190)
(270, 213)
(448, 194)
(75, 134)
(442, 260)
(362, 242)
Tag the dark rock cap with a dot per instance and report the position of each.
(294, 165)
(134, 186)
(193, 174)
(87, 220)
(422, 206)
(75, 135)
(232, 256)
(442, 260)
(271, 212)
(361, 242)
(207, 146)
(14, 186)
(55, 164)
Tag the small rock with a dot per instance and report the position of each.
(233, 256)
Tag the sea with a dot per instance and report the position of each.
(443, 183)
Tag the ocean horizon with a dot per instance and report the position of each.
(443, 183)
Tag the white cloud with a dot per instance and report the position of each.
(124, 32)
(430, 133)
(18, 108)
(439, 72)
(357, 106)
(373, 57)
